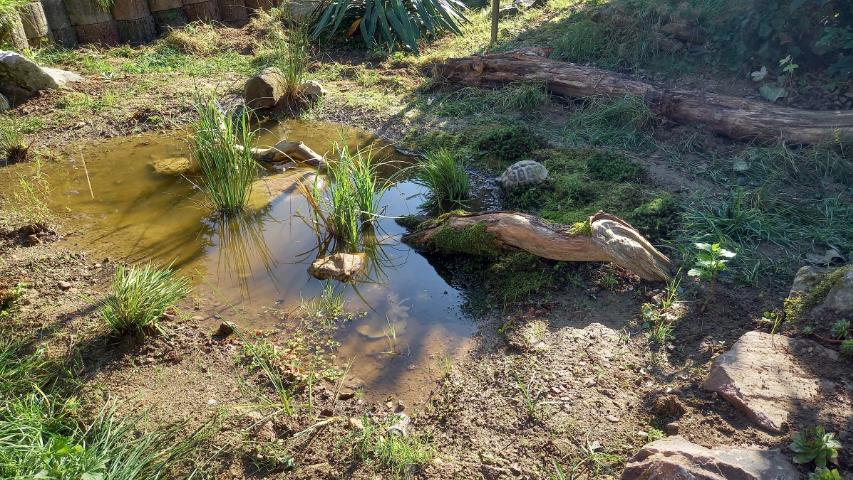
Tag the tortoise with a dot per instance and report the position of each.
(525, 172)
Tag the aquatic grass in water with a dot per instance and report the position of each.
(446, 180)
(350, 203)
(140, 296)
(222, 147)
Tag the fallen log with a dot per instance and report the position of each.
(287, 151)
(608, 239)
(734, 117)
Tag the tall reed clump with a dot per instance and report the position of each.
(292, 55)
(447, 182)
(350, 203)
(222, 147)
(140, 296)
(14, 146)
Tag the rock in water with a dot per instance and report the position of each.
(339, 266)
(523, 173)
(266, 89)
(763, 375)
(174, 166)
(676, 458)
(22, 74)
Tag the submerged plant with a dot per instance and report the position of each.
(446, 180)
(221, 145)
(815, 445)
(140, 296)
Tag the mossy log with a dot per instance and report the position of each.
(734, 117)
(608, 239)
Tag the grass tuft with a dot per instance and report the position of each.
(618, 123)
(140, 296)
(14, 147)
(446, 180)
(194, 39)
(400, 454)
(222, 147)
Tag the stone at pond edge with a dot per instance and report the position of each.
(349, 387)
(764, 376)
(266, 89)
(674, 458)
(523, 173)
(339, 266)
(225, 329)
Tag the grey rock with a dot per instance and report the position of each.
(22, 73)
(4, 103)
(840, 296)
(762, 376)
(523, 173)
(807, 277)
(509, 11)
(676, 458)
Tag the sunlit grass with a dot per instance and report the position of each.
(140, 296)
(221, 145)
(446, 180)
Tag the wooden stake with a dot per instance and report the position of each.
(91, 193)
(496, 12)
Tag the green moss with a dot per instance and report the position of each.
(473, 240)
(508, 144)
(656, 218)
(798, 304)
(581, 228)
(518, 275)
(613, 168)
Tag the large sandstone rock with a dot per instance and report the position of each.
(764, 376)
(676, 458)
(339, 266)
(266, 89)
(20, 74)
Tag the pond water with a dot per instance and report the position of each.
(252, 270)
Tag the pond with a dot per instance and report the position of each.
(250, 271)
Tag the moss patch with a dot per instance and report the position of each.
(508, 144)
(473, 240)
(796, 305)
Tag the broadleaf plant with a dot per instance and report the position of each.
(391, 22)
(815, 445)
(711, 259)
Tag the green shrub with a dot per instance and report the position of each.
(140, 296)
(14, 146)
(840, 329)
(446, 180)
(825, 474)
(221, 145)
(508, 144)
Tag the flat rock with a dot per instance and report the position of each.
(807, 277)
(19, 71)
(676, 458)
(174, 166)
(763, 376)
(339, 266)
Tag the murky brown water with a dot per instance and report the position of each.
(250, 271)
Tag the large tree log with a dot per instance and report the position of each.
(609, 239)
(733, 117)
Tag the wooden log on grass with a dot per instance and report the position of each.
(734, 117)
(60, 25)
(606, 238)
